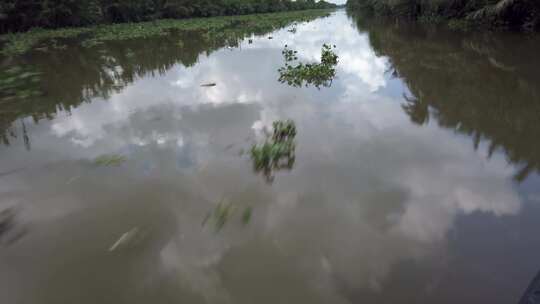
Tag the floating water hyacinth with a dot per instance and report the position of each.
(306, 74)
(277, 152)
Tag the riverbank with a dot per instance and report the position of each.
(20, 43)
(463, 15)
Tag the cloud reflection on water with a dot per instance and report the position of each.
(369, 190)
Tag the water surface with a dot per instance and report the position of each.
(415, 180)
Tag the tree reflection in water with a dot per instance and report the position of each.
(471, 83)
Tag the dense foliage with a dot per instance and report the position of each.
(20, 15)
(515, 14)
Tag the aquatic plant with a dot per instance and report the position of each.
(445, 73)
(277, 152)
(216, 28)
(222, 212)
(18, 83)
(305, 74)
(110, 160)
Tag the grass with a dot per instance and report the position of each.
(306, 74)
(20, 43)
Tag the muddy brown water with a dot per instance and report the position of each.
(415, 179)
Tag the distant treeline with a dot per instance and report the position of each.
(512, 14)
(21, 15)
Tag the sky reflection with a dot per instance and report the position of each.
(370, 191)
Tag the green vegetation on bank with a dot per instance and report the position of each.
(458, 14)
(19, 43)
(22, 15)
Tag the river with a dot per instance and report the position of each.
(128, 179)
